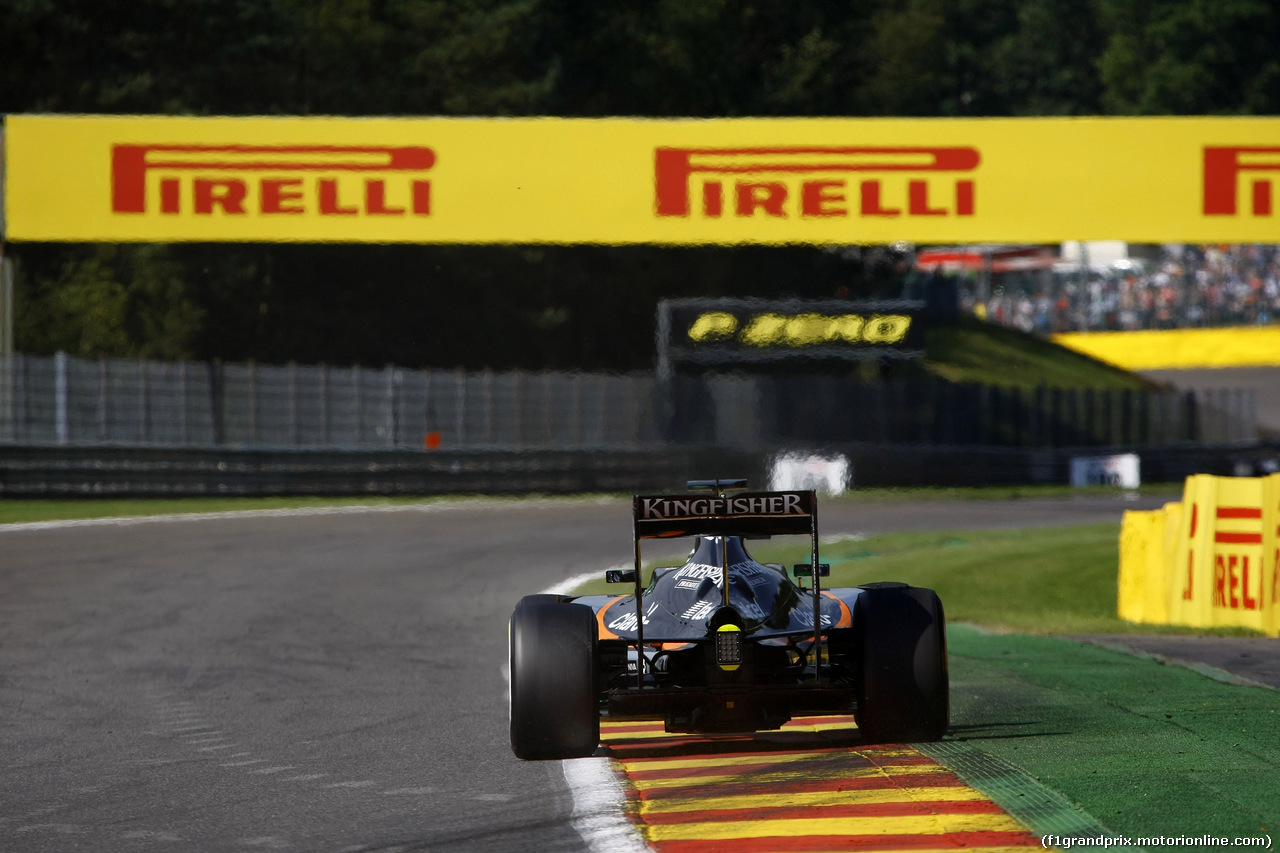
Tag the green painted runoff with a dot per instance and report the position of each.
(1145, 748)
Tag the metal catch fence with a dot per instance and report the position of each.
(65, 401)
(68, 401)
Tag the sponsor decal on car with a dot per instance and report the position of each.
(667, 508)
(692, 576)
(627, 621)
(699, 611)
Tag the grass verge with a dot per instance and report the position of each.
(1059, 580)
(21, 511)
(970, 350)
(1146, 749)
(24, 511)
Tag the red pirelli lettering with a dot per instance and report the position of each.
(1249, 602)
(822, 198)
(227, 194)
(1223, 167)
(1224, 537)
(1220, 582)
(282, 196)
(1239, 512)
(768, 179)
(224, 178)
(1232, 587)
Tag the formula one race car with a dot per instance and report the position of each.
(724, 643)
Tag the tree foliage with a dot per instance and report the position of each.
(586, 307)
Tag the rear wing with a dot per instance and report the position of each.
(747, 514)
(718, 514)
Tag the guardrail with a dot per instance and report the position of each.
(151, 472)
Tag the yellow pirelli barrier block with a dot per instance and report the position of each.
(1160, 596)
(1191, 571)
(1270, 596)
(1144, 573)
(1218, 575)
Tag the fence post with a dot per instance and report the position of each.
(253, 404)
(517, 408)
(1126, 416)
(1211, 416)
(1144, 418)
(938, 410)
(1088, 408)
(6, 394)
(144, 400)
(602, 384)
(216, 420)
(20, 397)
(460, 402)
(1055, 417)
(1108, 417)
(1070, 432)
(428, 410)
(1034, 416)
(486, 389)
(324, 405)
(393, 406)
(1001, 416)
(576, 398)
(981, 407)
(1240, 432)
(968, 430)
(61, 429)
(102, 399)
(182, 402)
(1251, 414)
(549, 430)
(357, 376)
(293, 404)
(946, 402)
(882, 414)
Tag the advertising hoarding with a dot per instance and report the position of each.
(619, 181)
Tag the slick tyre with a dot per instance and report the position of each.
(904, 694)
(553, 701)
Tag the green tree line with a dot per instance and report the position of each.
(569, 307)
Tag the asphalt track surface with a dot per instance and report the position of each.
(312, 682)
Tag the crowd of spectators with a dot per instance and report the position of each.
(1179, 286)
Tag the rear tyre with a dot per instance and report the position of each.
(904, 695)
(554, 712)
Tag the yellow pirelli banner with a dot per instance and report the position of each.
(1211, 561)
(548, 180)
